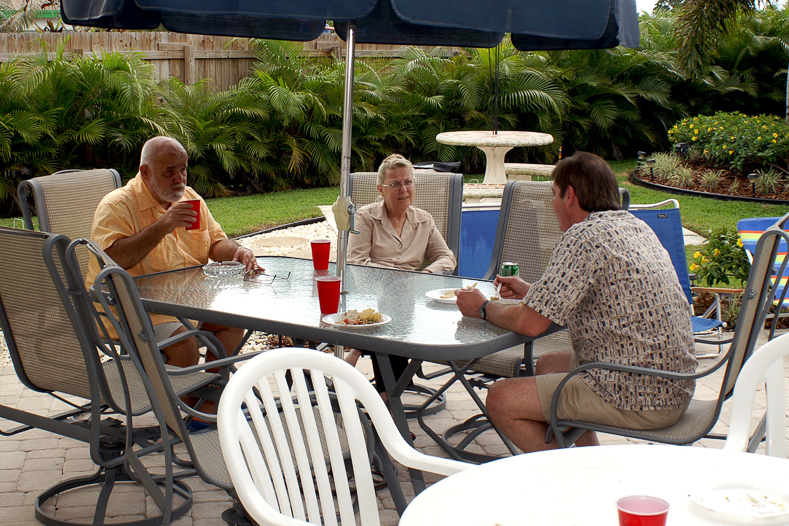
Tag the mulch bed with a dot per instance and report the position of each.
(745, 189)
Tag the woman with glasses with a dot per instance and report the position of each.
(395, 234)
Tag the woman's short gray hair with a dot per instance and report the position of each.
(392, 162)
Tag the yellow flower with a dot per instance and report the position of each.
(759, 138)
(697, 255)
(716, 252)
(705, 260)
(694, 267)
(775, 141)
(731, 152)
(732, 137)
(775, 135)
(695, 138)
(709, 129)
(695, 130)
(739, 242)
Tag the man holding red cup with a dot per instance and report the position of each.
(157, 223)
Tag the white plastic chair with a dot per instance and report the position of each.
(765, 366)
(287, 464)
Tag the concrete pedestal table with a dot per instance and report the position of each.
(495, 147)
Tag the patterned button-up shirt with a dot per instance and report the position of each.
(613, 285)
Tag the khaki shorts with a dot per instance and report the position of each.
(164, 330)
(579, 402)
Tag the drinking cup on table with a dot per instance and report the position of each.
(328, 293)
(195, 203)
(320, 253)
(642, 510)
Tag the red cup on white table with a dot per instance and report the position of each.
(642, 510)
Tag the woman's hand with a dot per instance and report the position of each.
(512, 287)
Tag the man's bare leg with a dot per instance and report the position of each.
(514, 407)
(185, 353)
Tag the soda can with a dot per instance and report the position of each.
(509, 268)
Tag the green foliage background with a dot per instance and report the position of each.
(280, 128)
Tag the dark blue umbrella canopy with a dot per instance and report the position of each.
(534, 24)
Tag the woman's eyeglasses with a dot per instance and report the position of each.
(408, 183)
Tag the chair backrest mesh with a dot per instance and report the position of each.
(66, 202)
(137, 331)
(49, 354)
(431, 193)
(530, 230)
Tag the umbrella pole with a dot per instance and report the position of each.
(343, 208)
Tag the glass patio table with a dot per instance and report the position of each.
(421, 329)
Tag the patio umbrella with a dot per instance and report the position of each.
(534, 25)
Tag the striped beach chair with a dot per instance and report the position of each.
(750, 230)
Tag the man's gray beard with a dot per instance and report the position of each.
(170, 196)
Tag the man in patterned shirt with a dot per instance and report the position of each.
(612, 284)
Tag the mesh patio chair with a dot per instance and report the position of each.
(287, 464)
(441, 195)
(66, 201)
(703, 413)
(135, 331)
(438, 193)
(54, 351)
(764, 368)
(667, 225)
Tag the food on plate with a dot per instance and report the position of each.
(366, 317)
(454, 292)
(450, 293)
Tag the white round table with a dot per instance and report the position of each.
(580, 486)
(495, 147)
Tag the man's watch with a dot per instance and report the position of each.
(482, 313)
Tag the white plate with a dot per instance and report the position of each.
(746, 503)
(435, 295)
(335, 320)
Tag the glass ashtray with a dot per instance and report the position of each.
(224, 269)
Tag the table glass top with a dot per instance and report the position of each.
(430, 329)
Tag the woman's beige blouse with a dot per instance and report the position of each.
(378, 245)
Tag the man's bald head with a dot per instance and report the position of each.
(153, 147)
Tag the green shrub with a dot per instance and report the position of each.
(683, 177)
(710, 179)
(735, 139)
(665, 166)
(768, 182)
(721, 258)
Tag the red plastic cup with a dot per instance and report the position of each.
(328, 293)
(196, 207)
(642, 510)
(320, 253)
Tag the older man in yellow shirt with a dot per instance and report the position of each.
(142, 227)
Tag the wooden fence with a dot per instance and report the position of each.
(223, 60)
